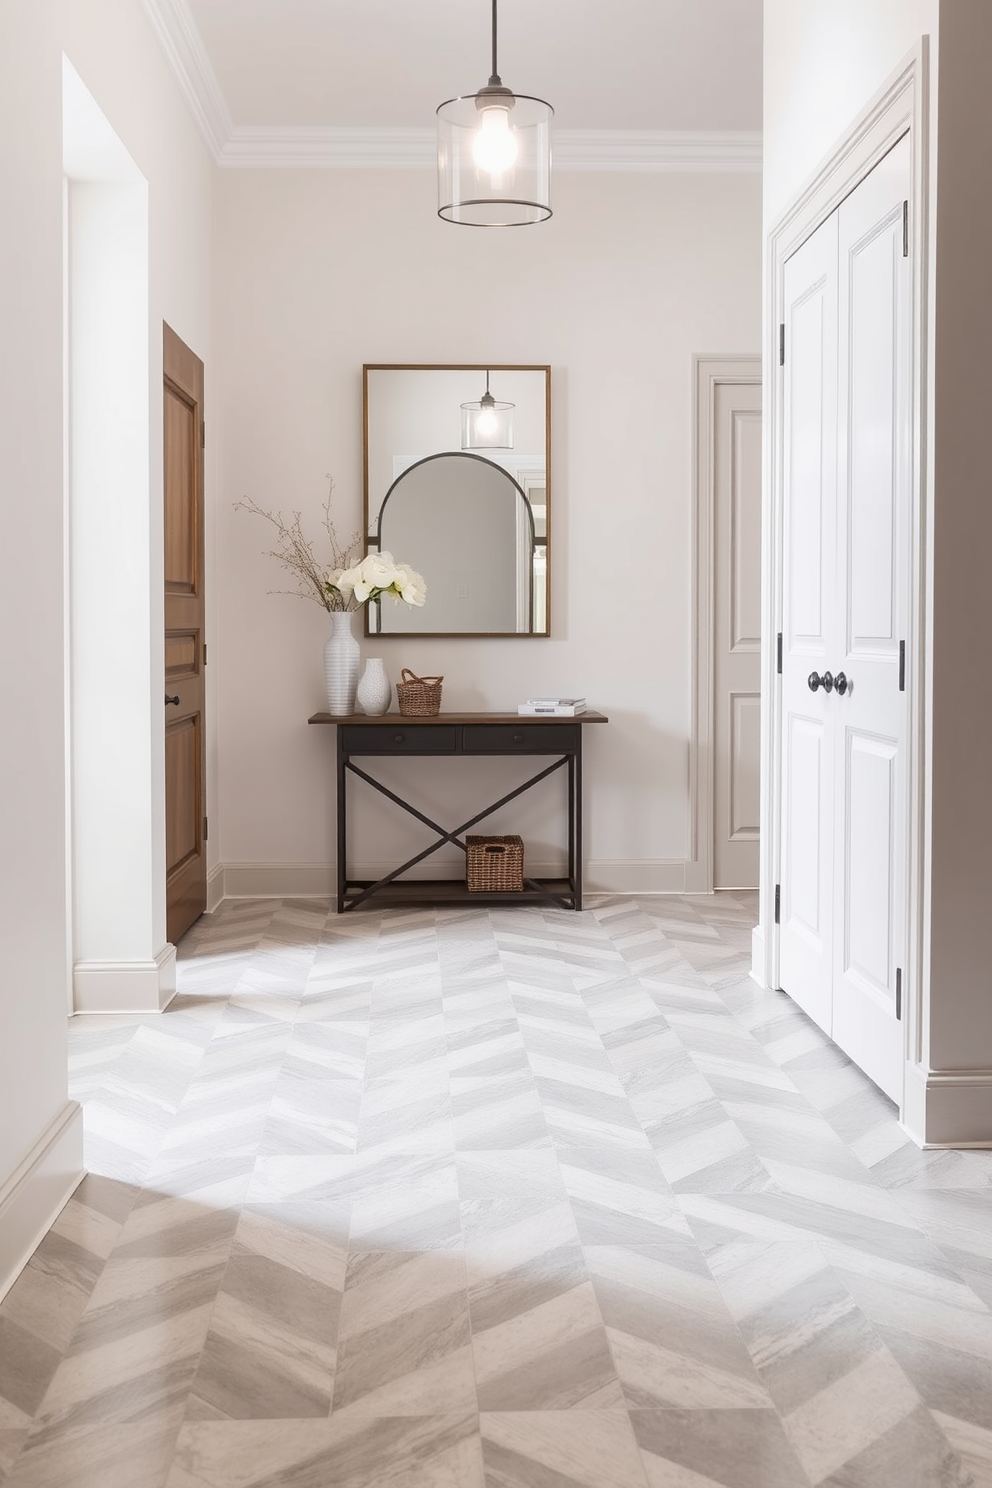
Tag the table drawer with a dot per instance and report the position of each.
(427, 738)
(512, 738)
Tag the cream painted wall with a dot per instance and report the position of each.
(320, 272)
(111, 46)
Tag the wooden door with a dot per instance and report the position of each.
(185, 742)
(736, 415)
(808, 624)
(873, 533)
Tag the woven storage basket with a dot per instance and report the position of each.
(494, 864)
(418, 697)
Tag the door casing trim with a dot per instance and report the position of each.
(708, 373)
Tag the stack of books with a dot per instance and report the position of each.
(552, 707)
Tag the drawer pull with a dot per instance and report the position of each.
(518, 738)
(399, 738)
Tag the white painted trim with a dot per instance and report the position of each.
(353, 147)
(900, 106)
(318, 880)
(125, 986)
(758, 956)
(708, 373)
(177, 34)
(37, 1189)
(215, 887)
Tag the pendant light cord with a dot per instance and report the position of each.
(494, 81)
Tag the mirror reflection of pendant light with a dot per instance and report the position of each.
(487, 424)
(494, 156)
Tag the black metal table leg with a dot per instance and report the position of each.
(342, 864)
(577, 818)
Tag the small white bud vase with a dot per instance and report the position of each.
(375, 691)
(342, 658)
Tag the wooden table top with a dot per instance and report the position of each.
(390, 720)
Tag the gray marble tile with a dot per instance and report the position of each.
(560, 1449)
(730, 1447)
(95, 1457)
(405, 1337)
(372, 1172)
(348, 1451)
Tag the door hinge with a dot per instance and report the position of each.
(899, 993)
(905, 229)
(204, 829)
(902, 666)
(778, 664)
(204, 653)
(778, 904)
(203, 434)
(781, 344)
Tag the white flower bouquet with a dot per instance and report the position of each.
(377, 574)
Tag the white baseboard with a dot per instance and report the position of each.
(948, 1108)
(125, 986)
(759, 952)
(215, 887)
(318, 880)
(38, 1188)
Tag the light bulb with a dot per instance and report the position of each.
(486, 423)
(494, 148)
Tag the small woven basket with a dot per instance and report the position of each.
(494, 865)
(418, 697)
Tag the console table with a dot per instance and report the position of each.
(471, 734)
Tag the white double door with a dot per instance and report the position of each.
(845, 605)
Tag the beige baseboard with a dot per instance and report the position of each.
(39, 1187)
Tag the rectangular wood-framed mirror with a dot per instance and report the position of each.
(458, 485)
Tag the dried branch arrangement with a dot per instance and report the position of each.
(295, 552)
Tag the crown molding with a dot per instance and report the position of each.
(346, 147)
(657, 150)
(353, 148)
(180, 40)
(339, 147)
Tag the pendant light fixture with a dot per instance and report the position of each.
(487, 424)
(494, 156)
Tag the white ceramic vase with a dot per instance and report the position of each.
(342, 658)
(375, 691)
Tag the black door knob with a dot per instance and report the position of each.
(169, 700)
(826, 682)
(841, 683)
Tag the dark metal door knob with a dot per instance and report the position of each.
(826, 682)
(841, 683)
(169, 700)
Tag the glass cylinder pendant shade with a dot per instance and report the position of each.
(487, 425)
(494, 159)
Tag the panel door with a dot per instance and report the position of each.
(809, 639)
(736, 633)
(185, 742)
(873, 531)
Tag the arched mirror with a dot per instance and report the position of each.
(460, 491)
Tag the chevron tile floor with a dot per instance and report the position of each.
(520, 1199)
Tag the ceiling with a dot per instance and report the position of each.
(668, 65)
